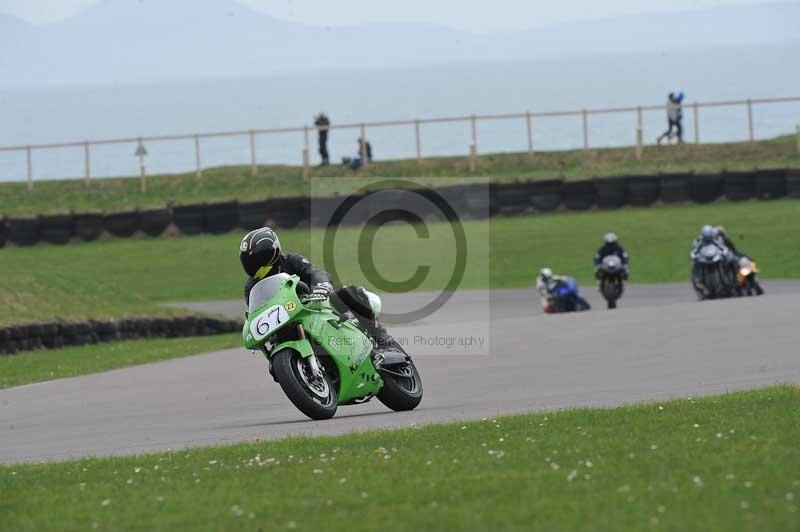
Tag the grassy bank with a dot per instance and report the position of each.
(41, 366)
(720, 463)
(124, 277)
(271, 181)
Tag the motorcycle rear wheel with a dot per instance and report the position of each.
(402, 387)
(314, 397)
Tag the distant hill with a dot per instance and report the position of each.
(149, 40)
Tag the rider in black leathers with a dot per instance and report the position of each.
(611, 246)
(261, 256)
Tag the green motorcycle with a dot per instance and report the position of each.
(321, 357)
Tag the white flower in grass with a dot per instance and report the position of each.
(730, 476)
(661, 509)
(342, 480)
(719, 435)
(212, 462)
(624, 489)
(464, 427)
(789, 496)
(744, 505)
(429, 462)
(237, 511)
(137, 469)
(291, 524)
(697, 481)
(130, 481)
(160, 498)
(251, 515)
(318, 471)
(572, 475)
(554, 466)
(696, 426)
(105, 502)
(748, 484)
(364, 494)
(660, 407)
(588, 463)
(653, 447)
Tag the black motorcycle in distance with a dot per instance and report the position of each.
(612, 279)
(712, 277)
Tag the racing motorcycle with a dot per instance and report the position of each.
(712, 277)
(322, 358)
(565, 297)
(746, 277)
(612, 283)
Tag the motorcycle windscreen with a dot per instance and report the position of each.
(266, 289)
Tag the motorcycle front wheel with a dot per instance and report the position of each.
(402, 387)
(313, 395)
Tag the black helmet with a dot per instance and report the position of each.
(260, 252)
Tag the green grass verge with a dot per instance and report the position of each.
(38, 366)
(720, 463)
(238, 182)
(124, 277)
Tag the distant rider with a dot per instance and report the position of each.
(547, 285)
(261, 256)
(611, 246)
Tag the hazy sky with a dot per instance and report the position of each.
(473, 15)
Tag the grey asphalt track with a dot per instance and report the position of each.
(660, 344)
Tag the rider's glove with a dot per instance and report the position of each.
(321, 291)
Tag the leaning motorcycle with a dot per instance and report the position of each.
(612, 279)
(746, 277)
(711, 276)
(566, 297)
(320, 357)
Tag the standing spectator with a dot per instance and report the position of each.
(322, 122)
(365, 148)
(674, 118)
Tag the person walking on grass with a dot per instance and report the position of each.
(674, 118)
(323, 123)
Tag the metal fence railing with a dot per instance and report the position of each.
(138, 143)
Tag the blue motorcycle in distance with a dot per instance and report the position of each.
(565, 296)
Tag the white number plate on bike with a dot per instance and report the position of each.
(268, 322)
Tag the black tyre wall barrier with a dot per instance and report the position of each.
(675, 188)
(56, 229)
(323, 210)
(578, 195)
(189, 218)
(55, 335)
(706, 188)
(770, 184)
(3, 231)
(286, 213)
(89, 226)
(546, 196)
(643, 190)
(221, 217)
(611, 192)
(122, 224)
(23, 231)
(512, 198)
(478, 200)
(252, 214)
(739, 186)
(155, 221)
(793, 183)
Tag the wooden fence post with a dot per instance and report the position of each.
(363, 146)
(30, 167)
(306, 155)
(639, 134)
(142, 172)
(585, 130)
(198, 172)
(473, 148)
(750, 119)
(696, 123)
(87, 163)
(419, 141)
(253, 161)
(529, 122)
